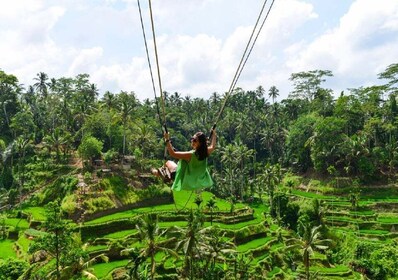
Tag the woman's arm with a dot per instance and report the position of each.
(212, 145)
(177, 155)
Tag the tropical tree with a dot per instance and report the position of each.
(307, 84)
(58, 240)
(57, 140)
(299, 132)
(211, 206)
(90, 148)
(151, 236)
(191, 242)
(307, 243)
(273, 92)
(126, 103)
(9, 89)
(218, 250)
(326, 141)
(270, 177)
(42, 84)
(78, 263)
(391, 74)
(134, 265)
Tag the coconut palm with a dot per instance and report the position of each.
(57, 140)
(273, 92)
(42, 84)
(271, 176)
(211, 205)
(218, 249)
(151, 236)
(308, 242)
(126, 103)
(80, 264)
(133, 266)
(191, 241)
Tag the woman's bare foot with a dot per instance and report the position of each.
(155, 172)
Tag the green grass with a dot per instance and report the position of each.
(120, 234)
(95, 248)
(17, 223)
(186, 200)
(38, 213)
(256, 243)
(6, 249)
(101, 270)
(312, 195)
(24, 242)
(362, 213)
(181, 198)
(374, 231)
(387, 219)
(331, 270)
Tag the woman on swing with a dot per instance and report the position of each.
(191, 172)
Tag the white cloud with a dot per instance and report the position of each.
(85, 61)
(363, 45)
(199, 45)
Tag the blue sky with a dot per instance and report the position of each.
(200, 42)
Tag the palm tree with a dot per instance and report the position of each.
(243, 154)
(126, 104)
(57, 140)
(198, 200)
(217, 249)
(310, 241)
(191, 241)
(151, 235)
(271, 176)
(136, 260)
(42, 84)
(81, 264)
(273, 92)
(21, 144)
(211, 205)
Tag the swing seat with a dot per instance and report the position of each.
(165, 174)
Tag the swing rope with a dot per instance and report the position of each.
(157, 66)
(163, 125)
(149, 64)
(243, 59)
(238, 72)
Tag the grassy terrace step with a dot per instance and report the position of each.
(17, 223)
(120, 234)
(254, 244)
(101, 270)
(350, 215)
(313, 195)
(167, 208)
(338, 270)
(35, 213)
(345, 221)
(7, 249)
(274, 273)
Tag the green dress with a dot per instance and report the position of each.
(192, 175)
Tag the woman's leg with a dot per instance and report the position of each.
(171, 166)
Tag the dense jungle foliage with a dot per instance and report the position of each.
(315, 170)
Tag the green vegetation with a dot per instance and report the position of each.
(7, 250)
(304, 188)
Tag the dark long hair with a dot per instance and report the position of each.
(201, 152)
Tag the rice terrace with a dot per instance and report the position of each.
(255, 183)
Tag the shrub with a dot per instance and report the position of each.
(98, 204)
(12, 268)
(90, 148)
(69, 204)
